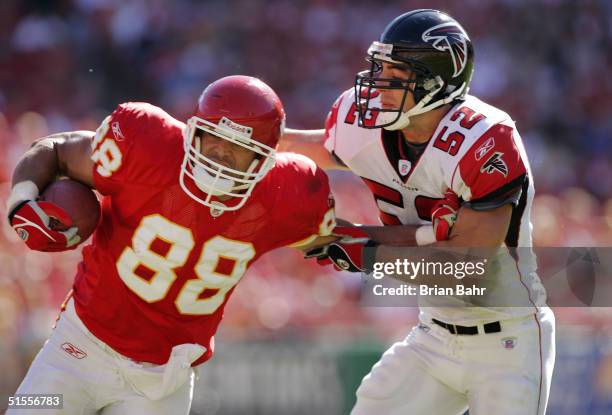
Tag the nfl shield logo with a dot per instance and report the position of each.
(404, 167)
(509, 342)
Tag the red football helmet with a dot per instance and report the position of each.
(246, 112)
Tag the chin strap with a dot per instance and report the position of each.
(250, 170)
(421, 107)
(206, 182)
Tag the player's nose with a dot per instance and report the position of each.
(386, 98)
(226, 145)
(217, 146)
(221, 155)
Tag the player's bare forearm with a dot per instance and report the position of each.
(395, 235)
(39, 165)
(480, 232)
(59, 154)
(310, 144)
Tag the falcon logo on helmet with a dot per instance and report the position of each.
(439, 56)
(448, 37)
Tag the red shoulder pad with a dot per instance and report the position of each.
(125, 142)
(332, 120)
(305, 204)
(494, 161)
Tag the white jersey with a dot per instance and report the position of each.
(477, 152)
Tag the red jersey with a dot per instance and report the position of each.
(161, 267)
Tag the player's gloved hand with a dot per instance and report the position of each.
(444, 215)
(350, 253)
(44, 226)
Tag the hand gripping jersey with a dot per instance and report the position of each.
(477, 152)
(161, 266)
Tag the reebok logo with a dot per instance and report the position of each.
(117, 131)
(484, 148)
(242, 129)
(73, 351)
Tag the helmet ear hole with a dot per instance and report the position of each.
(432, 83)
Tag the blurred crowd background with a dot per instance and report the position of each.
(65, 64)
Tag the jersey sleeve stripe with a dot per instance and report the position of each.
(508, 193)
(512, 237)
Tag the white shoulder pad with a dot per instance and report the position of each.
(344, 137)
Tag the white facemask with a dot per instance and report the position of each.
(214, 179)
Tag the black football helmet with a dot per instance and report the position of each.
(435, 48)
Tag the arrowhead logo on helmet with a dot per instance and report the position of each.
(448, 37)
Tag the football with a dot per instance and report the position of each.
(79, 201)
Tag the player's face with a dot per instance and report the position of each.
(225, 152)
(392, 98)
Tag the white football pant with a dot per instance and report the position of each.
(94, 379)
(434, 372)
